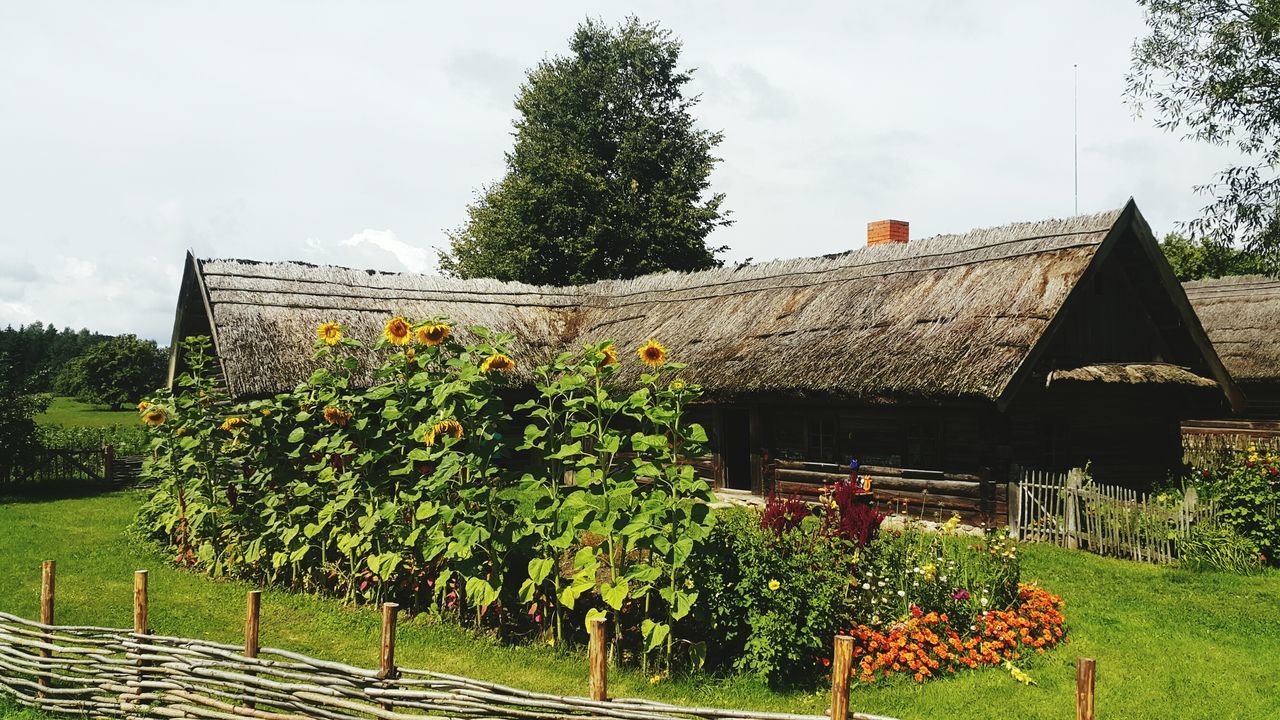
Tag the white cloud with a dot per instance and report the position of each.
(413, 258)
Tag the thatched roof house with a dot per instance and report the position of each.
(1242, 317)
(982, 331)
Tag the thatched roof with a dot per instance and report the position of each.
(1242, 317)
(1132, 374)
(944, 317)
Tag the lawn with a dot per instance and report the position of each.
(1168, 642)
(71, 412)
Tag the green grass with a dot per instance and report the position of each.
(71, 412)
(1168, 642)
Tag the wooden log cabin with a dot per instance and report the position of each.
(1241, 315)
(940, 364)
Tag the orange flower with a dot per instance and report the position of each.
(155, 416)
(330, 333)
(397, 331)
(652, 353)
(336, 416)
(234, 424)
(610, 355)
(433, 333)
(497, 362)
(444, 427)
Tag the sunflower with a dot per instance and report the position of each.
(397, 331)
(677, 385)
(610, 354)
(330, 333)
(336, 416)
(497, 362)
(409, 355)
(155, 416)
(143, 405)
(234, 424)
(444, 427)
(433, 333)
(652, 353)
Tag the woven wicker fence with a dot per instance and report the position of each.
(103, 672)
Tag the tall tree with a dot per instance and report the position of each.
(608, 178)
(116, 371)
(1203, 258)
(1211, 70)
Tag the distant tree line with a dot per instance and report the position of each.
(92, 367)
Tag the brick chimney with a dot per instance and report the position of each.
(883, 232)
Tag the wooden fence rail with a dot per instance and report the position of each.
(83, 466)
(1067, 510)
(105, 672)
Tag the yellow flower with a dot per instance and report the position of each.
(409, 355)
(652, 353)
(444, 427)
(397, 331)
(266, 412)
(610, 354)
(234, 424)
(677, 385)
(330, 333)
(497, 362)
(655, 679)
(433, 333)
(930, 572)
(774, 584)
(143, 405)
(336, 416)
(155, 416)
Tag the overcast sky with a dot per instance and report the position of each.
(356, 133)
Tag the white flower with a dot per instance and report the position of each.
(943, 578)
(984, 601)
(902, 593)
(866, 586)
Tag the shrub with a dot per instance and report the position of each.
(125, 439)
(1217, 547)
(774, 599)
(19, 405)
(1246, 497)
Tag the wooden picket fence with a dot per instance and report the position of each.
(101, 672)
(1068, 510)
(67, 466)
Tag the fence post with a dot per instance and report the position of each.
(1085, 668)
(46, 611)
(253, 603)
(140, 602)
(1071, 507)
(387, 655)
(841, 665)
(597, 660)
(108, 463)
(1013, 503)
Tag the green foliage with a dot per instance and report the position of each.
(19, 405)
(124, 439)
(1246, 497)
(1203, 258)
(1209, 68)
(116, 372)
(609, 175)
(38, 351)
(775, 600)
(408, 490)
(1217, 547)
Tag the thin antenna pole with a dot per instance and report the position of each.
(1075, 138)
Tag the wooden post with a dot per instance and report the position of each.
(1013, 501)
(140, 602)
(597, 660)
(108, 463)
(841, 666)
(387, 656)
(1071, 507)
(1085, 668)
(253, 603)
(46, 609)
